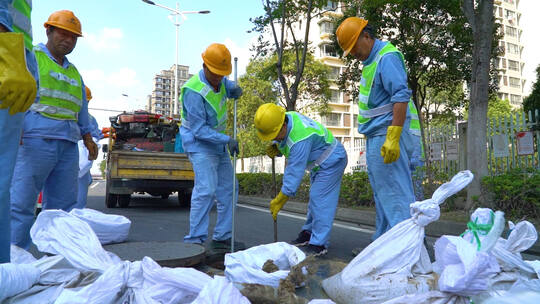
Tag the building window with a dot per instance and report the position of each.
(503, 63)
(332, 120)
(515, 82)
(334, 96)
(515, 99)
(513, 65)
(500, 12)
(326, 27)
(511, 31)
(330, 5)
(505, 80)
(512, 48)
(355, 119)
(328, 50)
(509, 14)
(346, 120)
(334, 73)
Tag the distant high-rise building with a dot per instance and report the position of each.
(162, 97)
(510, 63)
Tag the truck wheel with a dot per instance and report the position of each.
(123, 200)
(184, 198)
(110, 199)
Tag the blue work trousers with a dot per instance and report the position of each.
(417, 168)
(10, 135)
(213, 182)
(48, 164)
(391, 183)
(323, 200)
(82, 193)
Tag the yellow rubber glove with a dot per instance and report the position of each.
(390, 148)
(277, 203)
(17, 86)
(272, 151)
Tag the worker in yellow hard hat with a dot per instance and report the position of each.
(204, 118)
(384, 118)
(18, 71)
(48, 158)
(308, 145)
(85, 164)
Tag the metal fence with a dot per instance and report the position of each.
(512, 142)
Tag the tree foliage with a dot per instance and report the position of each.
(284, 31)
(532, 102)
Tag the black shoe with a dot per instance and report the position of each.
(314, 250)
(226, 245)
(302, 239)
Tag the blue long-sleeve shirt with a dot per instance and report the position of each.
(302, 153)
(201, 136)
(95, 131)
(37, 125)
(7, 22)
(389, 86)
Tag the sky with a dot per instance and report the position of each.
(126, 43)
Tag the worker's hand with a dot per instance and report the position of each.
(233, 146)
(91, 146)
(390, 148)
(235, 92)
(277, 203)
(17, 86)
(272, 151)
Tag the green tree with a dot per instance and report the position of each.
(445, 106)
(480, 16)
(288, 23)
(532, 102)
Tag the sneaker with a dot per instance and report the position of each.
(314, 250)
(302, 239)
(226, 245)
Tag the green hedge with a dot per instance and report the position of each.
(355, 188)
(517, 193)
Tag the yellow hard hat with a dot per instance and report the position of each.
(218, 59)
(65, 20)
(348, 31)
(268, 120)
(88, 93)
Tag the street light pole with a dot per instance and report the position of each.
(176, 12)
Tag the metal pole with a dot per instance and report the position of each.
(234, 198)
(275, 193)
(175, 101)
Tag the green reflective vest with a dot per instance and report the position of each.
(20, 12)
(366, 83)
(60, 90)
(302, 128)
(217, 101)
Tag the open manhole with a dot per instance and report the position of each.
(166, 254)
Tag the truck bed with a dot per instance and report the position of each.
(150, 165)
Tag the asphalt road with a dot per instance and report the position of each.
(157, 219)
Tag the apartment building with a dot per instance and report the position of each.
(510, 63)
(162, 97)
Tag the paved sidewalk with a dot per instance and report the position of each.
(367, 218)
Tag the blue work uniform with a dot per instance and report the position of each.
(391, 183)
(208, 154)
(85, 178)
(325, 181)
(417, 167)
(48, 159)
(10, 135)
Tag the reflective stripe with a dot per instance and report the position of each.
(20, 20)
(52, 110)
(387, 108)
(65, 78)
(363, 99)
(415, 132)
(324, 156)
(205, 90)
(60, 95)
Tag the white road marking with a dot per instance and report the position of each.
(301, 217)
(94, 185)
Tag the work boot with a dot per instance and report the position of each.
(314, 250)
(303, 238)
(226, 245)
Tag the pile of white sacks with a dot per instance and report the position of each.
(479, 266)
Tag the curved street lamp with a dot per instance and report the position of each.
(175, 13)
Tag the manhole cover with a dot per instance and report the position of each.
(166, 254)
